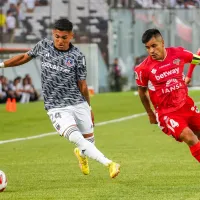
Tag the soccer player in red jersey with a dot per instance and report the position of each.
(161, 74)
(190, 70)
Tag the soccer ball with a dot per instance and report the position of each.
(3, 181)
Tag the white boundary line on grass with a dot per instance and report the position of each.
(97, 124)
(53, 133)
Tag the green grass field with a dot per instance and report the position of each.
(153, 165)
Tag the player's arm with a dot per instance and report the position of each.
(81, 75)
(191, 68)
(142, 91)
(16, 60)
(82, 85)
(195, 59)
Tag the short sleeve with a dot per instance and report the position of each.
(34, 52)
(141, 77)
(186, 55)
(81, 68)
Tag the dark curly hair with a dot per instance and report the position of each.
(63, 24)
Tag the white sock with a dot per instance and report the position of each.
(89, 139)
(87, 148)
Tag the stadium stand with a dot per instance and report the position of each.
(44, 16)
(89, 17)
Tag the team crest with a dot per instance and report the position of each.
(176, 61)
(69, 62)
(153, 71)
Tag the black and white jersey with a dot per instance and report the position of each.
(60, 72)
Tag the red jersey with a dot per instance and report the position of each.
(165, 79)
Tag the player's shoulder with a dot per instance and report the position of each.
(175, 49)
(76, 51)
(45, 42)
(143, 65)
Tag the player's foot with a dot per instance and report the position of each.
(83, 162)
(114, 169)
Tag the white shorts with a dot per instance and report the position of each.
(79, 115)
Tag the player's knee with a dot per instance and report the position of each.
(89, 137)
(76, 138)
(68, 131)
(189, 137)
(197, 133)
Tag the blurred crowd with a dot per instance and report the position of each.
(146, 4)
(138, 60)
(168, 3)
(21, 89)
(117, 80)
(14, 16)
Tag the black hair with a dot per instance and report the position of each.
(63, 24)
(148, 34)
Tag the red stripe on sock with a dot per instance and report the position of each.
(195, 150)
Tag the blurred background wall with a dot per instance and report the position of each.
(108, 32)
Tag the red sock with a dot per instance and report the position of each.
(195, 150)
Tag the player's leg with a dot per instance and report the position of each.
(89, 137)
(188, 136)
(194, 121)
(194, 125)
(197, 133)
(88, 149)
(65, 124)
(192, 141)
(177, 126)
(83, 161)
(83, 118)
(114, 168)
(82, 158)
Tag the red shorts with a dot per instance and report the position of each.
(173, 123)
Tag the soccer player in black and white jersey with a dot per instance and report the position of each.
(65, 92)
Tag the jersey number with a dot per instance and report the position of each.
(55, 116)
(173, 123)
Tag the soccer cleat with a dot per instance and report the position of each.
(114, 169)
(83, 162)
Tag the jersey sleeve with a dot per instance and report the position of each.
(192, 66)
(34, 52)
(190, 70)
(81, 68)
(186, 55)
(141, 77)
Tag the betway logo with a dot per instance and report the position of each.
(168, 73)
(58, 68)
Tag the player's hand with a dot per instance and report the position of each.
(92, 116)
(187, 80)
(152, 118)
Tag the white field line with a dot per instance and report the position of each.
(97, 124)
(53, 133)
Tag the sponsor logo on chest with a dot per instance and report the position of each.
(55, 67)
(171, 85)
(167, 73)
